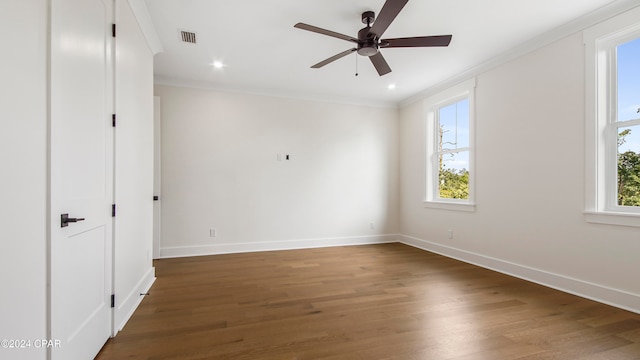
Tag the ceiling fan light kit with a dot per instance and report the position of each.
(369, 42)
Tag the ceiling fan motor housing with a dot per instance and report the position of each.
(367, 43)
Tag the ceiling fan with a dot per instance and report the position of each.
(369, 42)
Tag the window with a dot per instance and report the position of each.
(626, 121)
(449, 162)
(452, 150)
(613, 121)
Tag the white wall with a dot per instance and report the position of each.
(220, 170)
(134, 272)
(530, 162)
(23, 183)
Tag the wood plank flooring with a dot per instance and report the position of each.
(369, 302)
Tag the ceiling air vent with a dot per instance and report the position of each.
(188, 36)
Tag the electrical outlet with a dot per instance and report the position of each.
(372, 226)
(450, 234)
(212, 232)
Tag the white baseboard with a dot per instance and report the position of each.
(599, 293)
(125, 307)
(184, 251)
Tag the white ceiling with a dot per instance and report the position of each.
(263, 52)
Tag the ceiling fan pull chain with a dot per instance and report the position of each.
(356, 66)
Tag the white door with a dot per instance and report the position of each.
(81, 177)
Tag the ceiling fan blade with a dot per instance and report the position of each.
(418, 41)
(389, 11)
(380, 64)
(318, 30)
(333, 58)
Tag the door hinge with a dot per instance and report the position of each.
(113, 210)
(113, 300)
(113, 30)
(113, 120)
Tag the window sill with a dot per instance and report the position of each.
(455, 206)
(612, 218)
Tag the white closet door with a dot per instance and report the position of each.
(81, 177)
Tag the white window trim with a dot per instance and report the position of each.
(458, 92)
(600, 176)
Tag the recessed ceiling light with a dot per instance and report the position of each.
(217, 64)
(391, 86)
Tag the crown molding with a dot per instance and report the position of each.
(140, 11)
(166, 81)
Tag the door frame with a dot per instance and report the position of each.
(157, 176)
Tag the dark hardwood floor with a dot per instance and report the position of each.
(369, 302)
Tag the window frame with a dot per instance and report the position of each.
(601, 132)
(432, 105)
